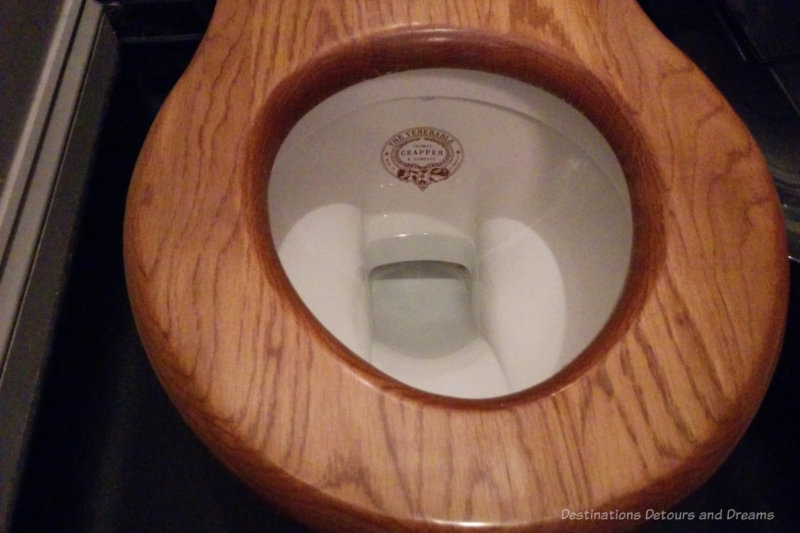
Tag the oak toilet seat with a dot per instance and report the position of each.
(648, 406)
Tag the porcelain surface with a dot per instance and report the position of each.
(529, 202)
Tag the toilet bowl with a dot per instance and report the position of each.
(473, 284)
(427, 266)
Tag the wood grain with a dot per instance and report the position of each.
(640, 419)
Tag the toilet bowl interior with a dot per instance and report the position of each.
(463, 232)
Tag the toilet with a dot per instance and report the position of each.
(448, 266)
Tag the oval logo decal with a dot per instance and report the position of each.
(422, 155)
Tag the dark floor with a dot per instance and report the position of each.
(109, 452)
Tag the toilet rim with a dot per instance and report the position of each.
(303, 89)
(293, 355)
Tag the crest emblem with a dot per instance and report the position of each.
(422, 155)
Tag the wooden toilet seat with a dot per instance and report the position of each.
(643, 416)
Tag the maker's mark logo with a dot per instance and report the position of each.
(422, 155)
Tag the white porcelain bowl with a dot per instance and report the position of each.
(463, 232)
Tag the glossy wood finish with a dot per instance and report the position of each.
(641, 418)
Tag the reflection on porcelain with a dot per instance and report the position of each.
(465, 233)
